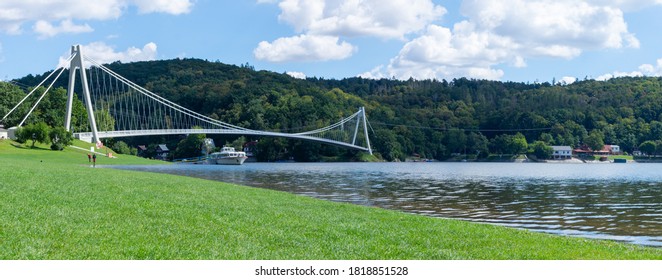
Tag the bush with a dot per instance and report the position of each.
(60, 138)
(33, 132)
(121, 147)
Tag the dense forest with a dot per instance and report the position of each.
(428, 118)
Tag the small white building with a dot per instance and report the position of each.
(561, 152)
(615, 149)
(3, 132)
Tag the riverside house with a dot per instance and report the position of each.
(561, 152)
(606, 150)
(142, 151)
(582, 151)
(615, 149)
(162, 152)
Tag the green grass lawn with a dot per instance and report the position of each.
(628, 158)
(54, 206)
(43, 153)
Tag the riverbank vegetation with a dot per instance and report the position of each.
(430, 118)
(54, 206)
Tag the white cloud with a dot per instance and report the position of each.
(604, 77)
(102, 53)
(439, 71)
(618, 74)
(507, 32)
(561, 28)
(46, 29)
(461, 47)
(375, 73)
(652, 70)
(298, 75)
(567, 80)
(378, 18)
(10, 20)
(430, 71)
(174, 7)
(643, 70)
(303, 48)
(321, 24)
(442, 53)
(519, 62)
(627, 5)
(15, 13)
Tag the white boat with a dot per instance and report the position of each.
(227, 156)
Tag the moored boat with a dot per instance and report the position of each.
(227, 156)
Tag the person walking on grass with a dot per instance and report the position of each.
(94, 160)
(89, 158)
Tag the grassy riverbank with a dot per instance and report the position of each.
(12, 151)
(54, 206)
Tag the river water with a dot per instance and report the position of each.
(606, 201)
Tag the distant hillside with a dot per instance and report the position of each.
(433, 119)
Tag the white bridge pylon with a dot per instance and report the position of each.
(117, 107)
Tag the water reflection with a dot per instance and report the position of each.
(612, 201)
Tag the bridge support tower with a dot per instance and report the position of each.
(77, 64)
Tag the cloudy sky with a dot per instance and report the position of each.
(508, 40)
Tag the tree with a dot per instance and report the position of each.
(547, 138)
(121, 147)
(60, 138)
(648, 147)
(456, 141)
(306, 151)
(34, 132)
(79, 120)
(386, 143)
(238, 143)
(541, 150)
(628, 142)
(105, 122)
(53, 107)
(499, 144)
(9, 97)
(658, 147)
(595, 140)
(190, 146)
(478, 143)
(518, 144)
(655, 130)
(271, 149)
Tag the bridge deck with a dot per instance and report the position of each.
(87, 136)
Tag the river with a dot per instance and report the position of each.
(620, 202)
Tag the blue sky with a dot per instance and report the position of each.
(508, 40)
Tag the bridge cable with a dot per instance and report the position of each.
(35, 88)
(42, 97)
(166, 101)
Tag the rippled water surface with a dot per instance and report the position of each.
(607, 201)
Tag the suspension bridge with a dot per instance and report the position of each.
(117, 107)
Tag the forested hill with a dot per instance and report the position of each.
(434, 119)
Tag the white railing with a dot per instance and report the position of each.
(87, 136)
